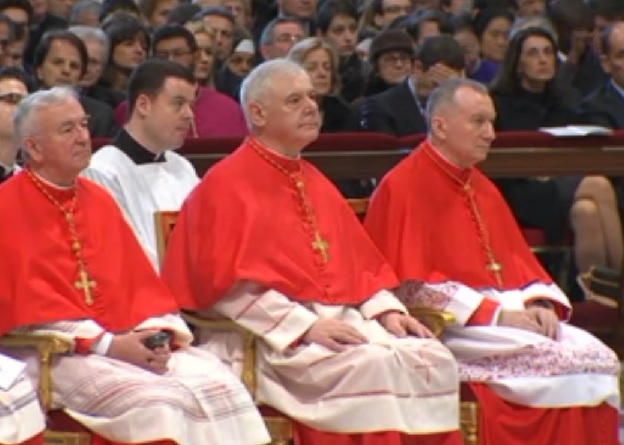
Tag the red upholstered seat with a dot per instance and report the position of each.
(594, 317)
(58, 420)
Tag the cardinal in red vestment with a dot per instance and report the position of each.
(267, 241)
(72, 268)
(439, 220)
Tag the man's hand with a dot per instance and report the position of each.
(547, 319)
(403, 325)
(131, 349)
(333, 334)
(439, 72)
(535, 319)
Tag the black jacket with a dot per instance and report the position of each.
(393, 112)
(605, 107)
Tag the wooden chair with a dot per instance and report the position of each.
(436, 321)
(61, 429)
(280, 427)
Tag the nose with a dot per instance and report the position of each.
(489, 133)
(188, 112)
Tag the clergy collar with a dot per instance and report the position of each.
(457, 173)
(6, 170)
(277, 160)
(135, 151)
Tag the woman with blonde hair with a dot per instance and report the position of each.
(320, 60)
(205, 56)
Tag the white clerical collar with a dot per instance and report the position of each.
(8, 168)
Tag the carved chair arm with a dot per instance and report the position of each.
(46, 346)
(435, 320)
(248, 376)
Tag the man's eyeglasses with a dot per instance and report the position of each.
(11, 98)
(288, 38)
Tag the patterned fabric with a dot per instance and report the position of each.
(21, 417)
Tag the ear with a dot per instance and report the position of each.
(38, 74)
(257, 114)
(264, 50)
(606, 65)
(33, 149)
(143, 105)
(417, 68)
(378, 20)
(439, 127)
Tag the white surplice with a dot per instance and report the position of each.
(401, 384)
(21, 417)
(141, 190)
(522, 367)
(198, 401)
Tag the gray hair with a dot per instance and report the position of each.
(266, 38)
(258, 82)
(23, 122)
(86, 33)
(534, 21)
(445, 95)
(82, 6)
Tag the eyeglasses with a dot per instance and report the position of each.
(174, 54)
(393, 59)
(12, 98)
(287, 38)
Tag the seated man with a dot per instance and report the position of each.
(139, 168)
(437, 219)
(72, 268)
(267, 241)
(12, 91)
(21, 419)
(400, 110)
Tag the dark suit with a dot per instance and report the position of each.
(393, 112)
(101, 123)
(605, 107)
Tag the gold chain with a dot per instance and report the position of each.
(493, 265)
(83, 282)
(318, 243)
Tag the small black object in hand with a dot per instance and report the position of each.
(157, 340)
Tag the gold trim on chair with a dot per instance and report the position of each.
(47, 346)
(469, 422)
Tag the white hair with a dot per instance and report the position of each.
(88, 33)
(24, 124)
(262, 78)
(445, 95)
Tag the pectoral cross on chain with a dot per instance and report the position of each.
(85, 284)
(321, 246)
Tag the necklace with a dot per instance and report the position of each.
(83, 282)
(319, 245)
(493, 265)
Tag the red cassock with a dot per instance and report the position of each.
(39, 268)
(422, 218)
(262, 230)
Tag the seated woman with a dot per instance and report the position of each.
(527, 97)
(129, 43)
(492, 26)
(320, 60)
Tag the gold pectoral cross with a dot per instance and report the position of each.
(321, 246)
(495, 267)
(85, 284)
